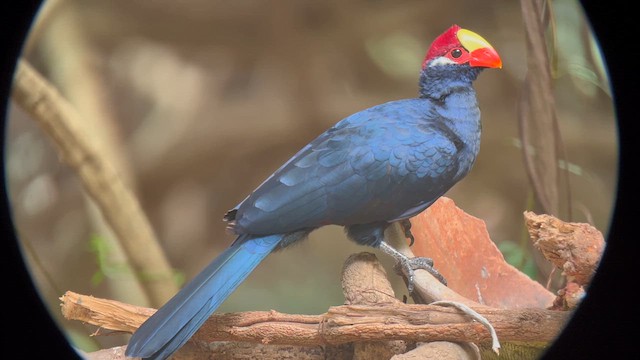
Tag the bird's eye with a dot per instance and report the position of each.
(456, 53)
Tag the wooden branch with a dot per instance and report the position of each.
(229, 350)
(441, 350)
(83, 84)
(120, 208)
(339, 325)
(365, 282)
(574, 248)
(372, 325)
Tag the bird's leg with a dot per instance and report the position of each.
(406, 227)
(408, 265)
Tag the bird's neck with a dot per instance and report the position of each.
(449, 88)
(438, 82)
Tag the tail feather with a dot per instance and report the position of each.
(175, 322)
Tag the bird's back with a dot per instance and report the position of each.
(384, 163)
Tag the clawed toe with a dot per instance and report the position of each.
(406, 266)
(409, 265)
(406, 228)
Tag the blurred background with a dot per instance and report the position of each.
(196, 102)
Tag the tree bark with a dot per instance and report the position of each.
(339, 325)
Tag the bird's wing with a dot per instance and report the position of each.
(373, 165)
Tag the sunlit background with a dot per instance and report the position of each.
(196, 102)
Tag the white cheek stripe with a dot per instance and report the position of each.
(441, 61)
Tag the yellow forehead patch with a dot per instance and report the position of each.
(472, 41)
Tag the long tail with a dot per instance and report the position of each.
(175, 322)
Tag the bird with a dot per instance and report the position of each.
(380, 166)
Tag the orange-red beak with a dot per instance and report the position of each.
(486, 57)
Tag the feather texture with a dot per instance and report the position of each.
(380, 165)
(174, 323)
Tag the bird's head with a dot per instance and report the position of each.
(461, 46)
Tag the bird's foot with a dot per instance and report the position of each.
(406, 227)
(407, 266)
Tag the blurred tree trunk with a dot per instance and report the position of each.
(539, 131)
